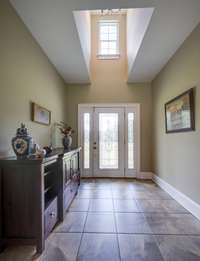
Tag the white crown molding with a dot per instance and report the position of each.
(181, 198)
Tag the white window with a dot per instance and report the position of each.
(108, 39)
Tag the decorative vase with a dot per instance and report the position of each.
(22, 143)
(67, 142)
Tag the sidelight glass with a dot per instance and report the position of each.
(108, 141)
(130, 140)
(86, 147)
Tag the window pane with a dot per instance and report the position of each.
(104, 29)
(104, 37)
(104, 52)
(86, 146)
(130, 140)
(112, 45)
(113, 29)
(112, 37)
(104, 45)
(108, 141)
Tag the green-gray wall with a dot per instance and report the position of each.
(177, 156)
(25, 75)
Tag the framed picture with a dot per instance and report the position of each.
(40, 114)
(179, 113)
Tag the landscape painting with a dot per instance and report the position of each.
(179, 113)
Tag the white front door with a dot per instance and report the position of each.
(109, 136)
(108, 143)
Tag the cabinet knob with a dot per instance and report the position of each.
(52, 214)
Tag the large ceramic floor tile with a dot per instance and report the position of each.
(138, 247)
(164, 223)
(179, 248)
(122, 186)
(147, 194)
(157, 205)
(73, 222)
(104, 194)
(122, 194)
(18, 253)
(62, 247)
(101, 205)
(125, 205)
(100, 222)
(80, 205)
(98, 247)
(84, 193)
(132, 223)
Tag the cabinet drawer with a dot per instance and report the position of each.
(51, 216)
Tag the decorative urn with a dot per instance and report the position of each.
(67, 132)
(22, 143)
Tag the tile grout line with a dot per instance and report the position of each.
(82, 234)
(115, 220)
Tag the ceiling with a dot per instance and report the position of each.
(60, 33)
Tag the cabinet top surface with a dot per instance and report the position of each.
(59, 152)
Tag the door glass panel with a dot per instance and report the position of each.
(130, 140)
(108, 141)
(86, 146)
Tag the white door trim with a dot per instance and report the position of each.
(91, 106)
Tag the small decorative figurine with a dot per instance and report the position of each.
(67, 131)
(22, 143)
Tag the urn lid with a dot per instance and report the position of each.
(22, 131)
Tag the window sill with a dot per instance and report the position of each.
(108, 57)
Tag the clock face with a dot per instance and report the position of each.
(20, 145)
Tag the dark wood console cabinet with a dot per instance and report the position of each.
(35, 194)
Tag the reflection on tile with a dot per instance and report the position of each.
(122, 194)
(62, 247)
(179, 248)
(98, 247)
(18, 253)
(125, 205)
(104, 194)
(131, 223)
(169, 206)
(164, 223)
(100, 222)
(138, 247)
(149, 194)
(79, 205)
(142, 195)
(101, 205)
(73, 222)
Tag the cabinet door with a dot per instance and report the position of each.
(67, 170)
(74, 164)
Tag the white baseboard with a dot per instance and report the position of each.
(145, 175)
(181, 198)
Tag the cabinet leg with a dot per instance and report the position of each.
(40, 246)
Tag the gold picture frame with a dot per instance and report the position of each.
(179, 113)
(40, 114)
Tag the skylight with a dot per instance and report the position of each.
(108, 39)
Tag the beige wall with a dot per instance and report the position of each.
(109, 86)
(177, 156)
(25, 75)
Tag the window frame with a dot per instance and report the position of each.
(108, 56)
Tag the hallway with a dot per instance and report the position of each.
(115, 219)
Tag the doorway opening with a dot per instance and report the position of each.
(109, 135)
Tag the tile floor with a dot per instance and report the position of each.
(112, 219)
